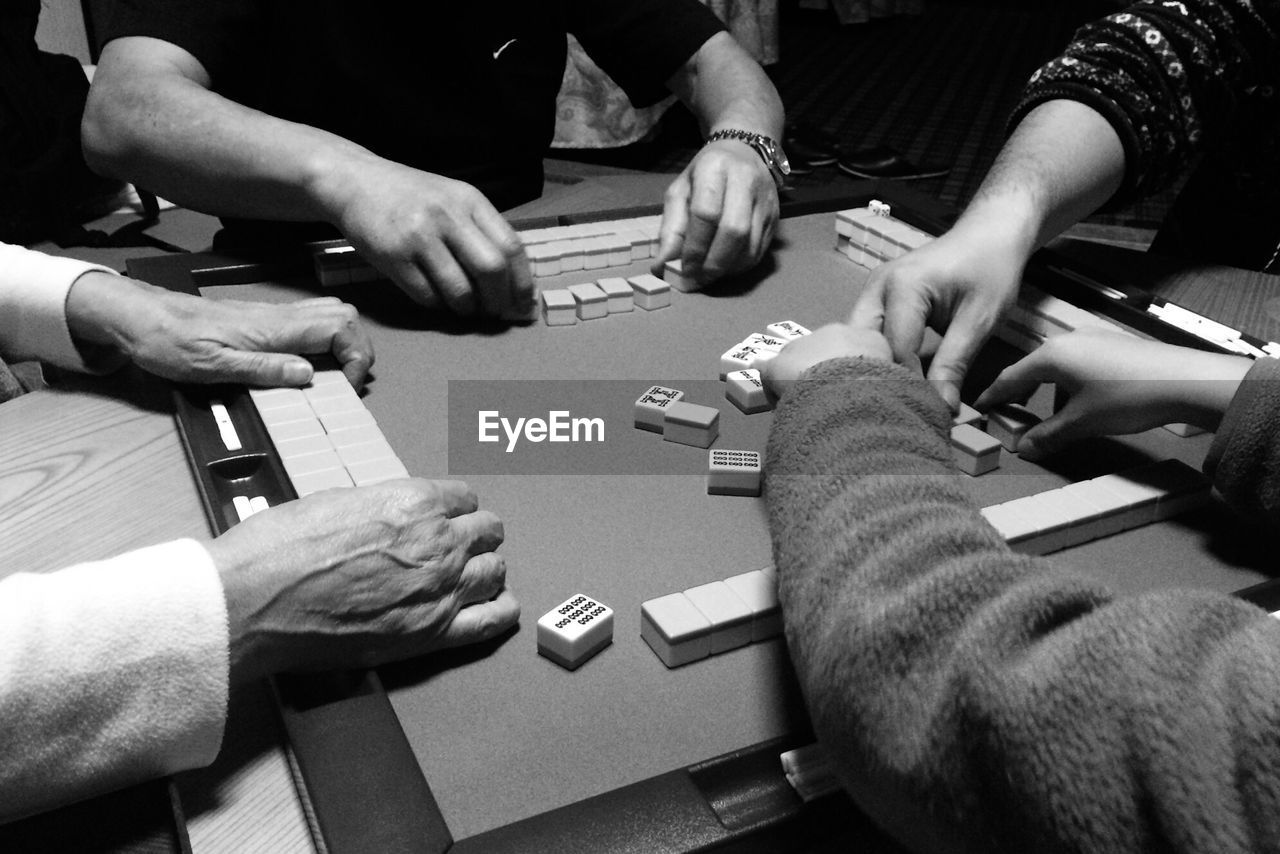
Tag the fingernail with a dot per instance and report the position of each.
(297, 372)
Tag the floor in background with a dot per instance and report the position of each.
(937, 87)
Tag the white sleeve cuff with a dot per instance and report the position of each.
(33, 305)
(111, 673)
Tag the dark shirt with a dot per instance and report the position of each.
(1188, 83)
(466, 90)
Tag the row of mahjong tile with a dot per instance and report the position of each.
(610, 295)
(723, 615)
(1092, 509)
(869, 236)
(645, 225)
(551, 251)
(591, 246)
(712, 618)
(613, 295)
(324, 435)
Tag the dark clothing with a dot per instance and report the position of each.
(1183, 81)
(998, 701)
(466, 90)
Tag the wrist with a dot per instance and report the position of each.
(98, 309)
(249, 653)
(766, 148)
(1009, 222)
(332, 175)
(1211, 382)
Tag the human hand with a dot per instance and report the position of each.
(1117, 384)
(190, 339)
(357, 577)
(719, 215)
(833, 341)
(959, 284)
(439, 240)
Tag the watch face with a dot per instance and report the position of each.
(779, 157)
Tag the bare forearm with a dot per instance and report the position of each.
(726, 88)
(173, 136)
(1063, 162)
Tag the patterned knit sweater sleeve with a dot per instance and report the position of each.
(976, 699)
(1168, 75)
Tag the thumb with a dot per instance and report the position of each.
(950, 363)
(263, 369)
(675, 221)
(1051, 435)
(868, 310)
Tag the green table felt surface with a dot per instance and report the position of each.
(503, 733)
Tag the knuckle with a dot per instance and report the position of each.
(509, 243)
(347, 313)
(734, 231)
(491, 623)
(704, 209)
(490, 262)
(494, 569)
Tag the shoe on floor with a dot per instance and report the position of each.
(810, 145)
(883, 162)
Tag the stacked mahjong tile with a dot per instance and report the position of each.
(551, 251)
(342, 265)
(810, 771)
(870, 236)
(591, 246)
(325, 436)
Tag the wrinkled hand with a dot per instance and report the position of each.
(439, 240)
(1116, 384)
(960, 284)
(356, 577)
(719, 215)
(833, 341)
(190, 339)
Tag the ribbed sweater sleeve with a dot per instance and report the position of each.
(1244, 461)
(1169, 75)
(111, 673)
(976, 699)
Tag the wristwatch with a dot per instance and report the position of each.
(768, 149)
